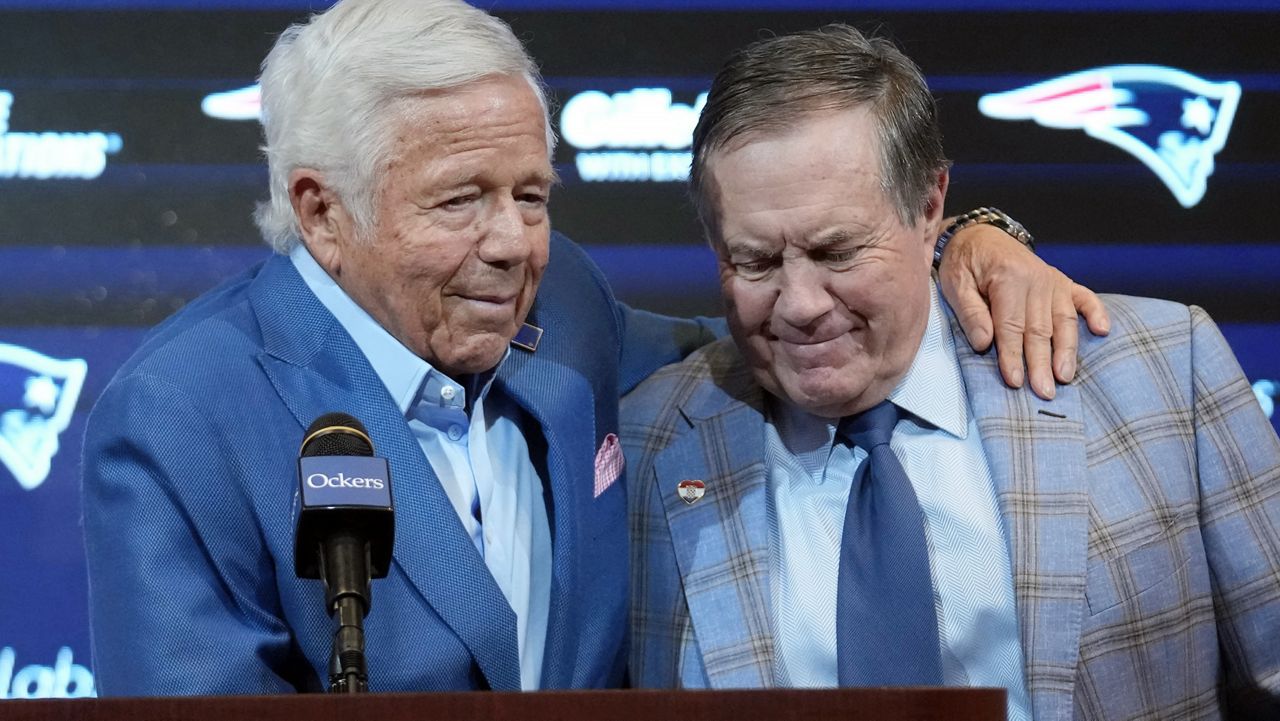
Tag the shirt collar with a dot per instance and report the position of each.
(933, 389)
(406, 376)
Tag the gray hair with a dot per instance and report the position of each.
(331, 85)
(769, 85)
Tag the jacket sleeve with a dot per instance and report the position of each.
(182, 593)
(1238, 458)
(651, 341)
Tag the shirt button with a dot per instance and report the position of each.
(455, 432)
(447, 393)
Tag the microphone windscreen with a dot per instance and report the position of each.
(336, 434)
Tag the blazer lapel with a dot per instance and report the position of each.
(431, 546)
(721, 541)
(1035, 449)
(560, 399)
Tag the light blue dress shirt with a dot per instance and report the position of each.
(809, 480)
(482, 461)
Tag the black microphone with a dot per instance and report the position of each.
(346, 527)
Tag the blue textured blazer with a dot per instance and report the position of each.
(1141, 506)
(190, 495)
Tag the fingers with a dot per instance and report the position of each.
(970, 309)
(1047, 331)
(1029, 311)
(1092, 308)
(1008, 313)
(1037, 338)
(1066, 331)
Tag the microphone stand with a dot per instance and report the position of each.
(345, 560)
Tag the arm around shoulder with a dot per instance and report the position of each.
(651, 341)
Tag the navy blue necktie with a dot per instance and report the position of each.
(886, 627)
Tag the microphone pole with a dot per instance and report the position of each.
(345, 532)
(346, 567)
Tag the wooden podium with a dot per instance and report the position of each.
(925, 704)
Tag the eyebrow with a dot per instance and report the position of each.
(462, 177)
(749, 251)
(839, 236)
(834, 237)
(550, 179)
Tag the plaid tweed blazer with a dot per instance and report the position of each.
(1142, 508)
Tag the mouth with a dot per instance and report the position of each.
(813, 349)
(810, 350)
(806, 341)
(796, 338)
(499, 299)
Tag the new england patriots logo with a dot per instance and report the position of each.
(1171, 120)
(39, 394)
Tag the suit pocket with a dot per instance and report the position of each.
(1113, 581)
(1152, 655)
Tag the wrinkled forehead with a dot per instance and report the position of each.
(805, 170)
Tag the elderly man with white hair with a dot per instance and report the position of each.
(418, 287)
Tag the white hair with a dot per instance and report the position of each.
(330, 88)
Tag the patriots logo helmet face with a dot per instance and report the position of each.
(1171, 120)
(38, 395)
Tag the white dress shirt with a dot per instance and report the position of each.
(810, 476)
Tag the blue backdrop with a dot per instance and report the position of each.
(129, 168)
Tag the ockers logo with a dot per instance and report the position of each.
(323, 480)
(42, 156)
(40, 395)
(1171, 120)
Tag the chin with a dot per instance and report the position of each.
(827, 399)
(478, 356)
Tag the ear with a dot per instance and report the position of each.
(326, 226)
(933, 209)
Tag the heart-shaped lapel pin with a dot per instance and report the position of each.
(691, 491)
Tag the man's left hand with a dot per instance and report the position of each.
(1000, 290)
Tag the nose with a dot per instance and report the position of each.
(505, 241)
(803, 297)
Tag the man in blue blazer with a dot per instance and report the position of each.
(408, 148)
(1113, 553)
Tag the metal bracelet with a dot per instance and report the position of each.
(989, 216)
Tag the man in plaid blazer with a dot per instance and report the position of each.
(1140, 508)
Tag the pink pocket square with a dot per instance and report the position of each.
(608, 463)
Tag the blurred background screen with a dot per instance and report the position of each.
(129, 169)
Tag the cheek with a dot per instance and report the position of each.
(877, 294)
(378, 281)
(538, 258)
(748, 314)
(748, 305)
(894, 317)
